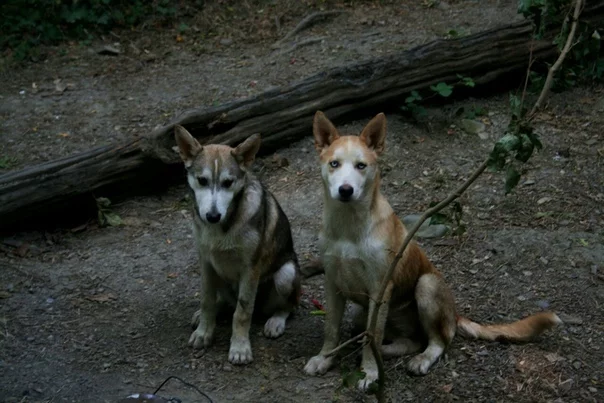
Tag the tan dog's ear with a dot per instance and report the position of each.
(245, 152)
(374, 134)
(324, 131)
(188, 147)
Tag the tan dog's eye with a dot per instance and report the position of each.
(360, 166)
(334, 164)
(202, 182)
(227, 183)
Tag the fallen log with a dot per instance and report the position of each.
(281, 115)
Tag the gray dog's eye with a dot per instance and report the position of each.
(202, 181)
(227, 183)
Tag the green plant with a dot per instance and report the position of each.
(25, 24)
(7, 162)
(585, 61)
(106, 216)
(442, 89)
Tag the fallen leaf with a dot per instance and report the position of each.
(448, 387)
(317, 313)
(317, 304)
(168, 241)
(553, 357)
(22, 250)
(64, 135)
(544, 200)
(102, 297)
(179, 38)
(5, 294)
(172, 275)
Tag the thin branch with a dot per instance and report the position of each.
(380, 394)
(305, 42)
(305, 23)
(552, 71)
(346, 343)
(427, 214)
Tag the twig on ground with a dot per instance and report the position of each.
(305, 23)
(346, 343)
(552, 71)
(305, 42)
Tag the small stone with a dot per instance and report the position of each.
(226, 41)
(521, 298)
(566, 385)
(227, 368)
(544, 200)
(577, 364)
(542, 304)
(528, 182)
(543, 260)
(527, 273)
(109, 51)
(592, 389)
(106, 365)
(569, 319)
(475, 127)
(591, 142)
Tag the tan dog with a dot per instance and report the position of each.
(244, 241)
(360, 237)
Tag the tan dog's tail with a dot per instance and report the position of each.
(312, 268)
(520, 331)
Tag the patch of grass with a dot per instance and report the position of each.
(7, 162)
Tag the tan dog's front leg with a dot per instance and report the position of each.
(205, 317)
(369, 363)
(240, 351)
(336, 303)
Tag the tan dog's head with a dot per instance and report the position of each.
(349, 163)
(216, 173)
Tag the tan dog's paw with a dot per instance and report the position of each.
(201, 338)
(371, 377)
(195, 318)
(274, 327)
(420, 364)
(240, 352)
(318, 365)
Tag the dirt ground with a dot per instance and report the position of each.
(94, 314)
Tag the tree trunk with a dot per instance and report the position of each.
(281, 116)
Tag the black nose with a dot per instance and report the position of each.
(213, 217)
(346, 191)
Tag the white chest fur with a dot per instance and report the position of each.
(355, 267)
(230, 253)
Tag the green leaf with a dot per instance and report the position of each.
(439, 218)
(443, 89)
(512, 177)
(468, 82)
(112, 219)
(318, 312)
(103, 203)
(526, 149)
(351, 378)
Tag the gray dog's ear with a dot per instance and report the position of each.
(245, 152)
(188, 147)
